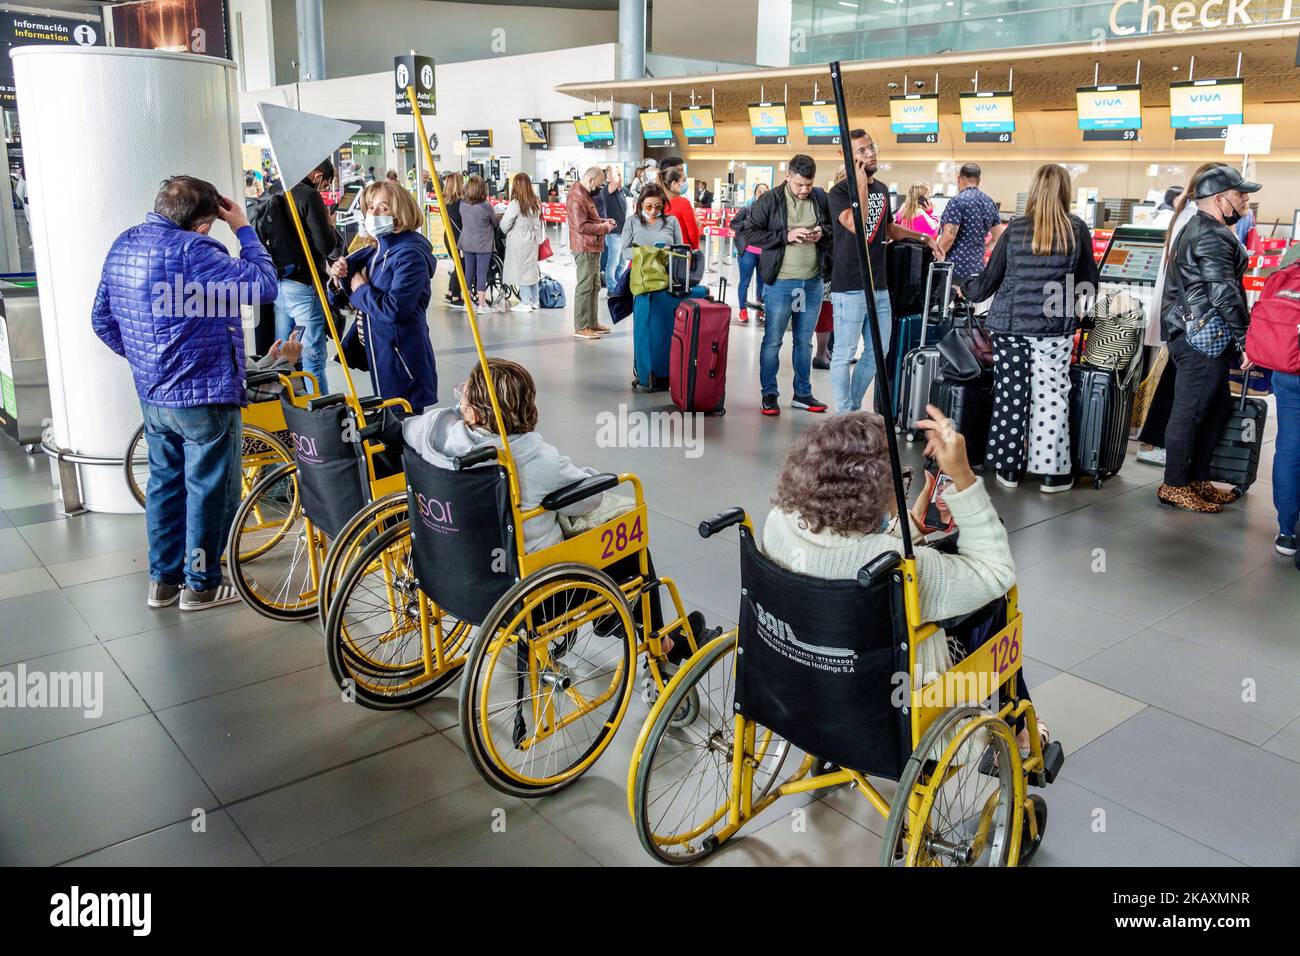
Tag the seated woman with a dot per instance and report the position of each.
(835, 511)
(443, 434)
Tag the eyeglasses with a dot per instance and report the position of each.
(657, 207)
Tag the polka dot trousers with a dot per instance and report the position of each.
(1031, 405)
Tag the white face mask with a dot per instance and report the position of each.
(379, 225)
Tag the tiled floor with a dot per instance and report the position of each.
(1172, 676)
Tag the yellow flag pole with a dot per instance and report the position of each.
(464, 288)
(324, 301)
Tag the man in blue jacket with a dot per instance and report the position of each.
(169, 302)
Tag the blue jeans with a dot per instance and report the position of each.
(193, 490)
(610, 263)
(783, 300)
(748, 263)
(528, 294)
(297, 304)
(850, 381)
(1286, 454)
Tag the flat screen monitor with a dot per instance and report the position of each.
(1109, 112)
(767, 123)
(1133, 255)
(656, 127)
(697, 125)
(821, 125)
(988, 117)
(1204, 109)
(600, 126)
(582, 128)
(914, 117)
(533, 131)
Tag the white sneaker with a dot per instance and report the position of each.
(521, 307)
(1153, 456)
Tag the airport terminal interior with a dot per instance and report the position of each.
(671, 618)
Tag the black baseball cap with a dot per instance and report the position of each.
(1220, 179)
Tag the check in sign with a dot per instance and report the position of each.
(1109, 112)
(914, 117)
(988, 117)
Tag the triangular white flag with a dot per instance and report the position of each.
(301, 141)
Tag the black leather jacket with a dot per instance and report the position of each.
(1209, 263)
(766, 228)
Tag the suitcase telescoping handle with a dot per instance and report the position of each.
(1245, 386)
(946, 269)
(722, 290)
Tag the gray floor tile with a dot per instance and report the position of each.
(31, 581)
(212, 655)
(218, 843)
(1061, 632)
(453, 830)
(39, 624)
(255, 738)
(100, 566)
(32, 514)
(711, 583)
(1216, 561)
(1077, 711)
(14, 553)
(813, 835)
(304, 814)
(1261, 629)
(1223, 793)
(131, 615)
(1286, 742)
(99, 694)
(25, 489)
(62, 541)
(1085, 829)
(141, 782)
(1129, 590)
(1198, 682)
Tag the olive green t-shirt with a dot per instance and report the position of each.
(800, 260)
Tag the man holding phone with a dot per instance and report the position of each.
(189, 374)
(792, 226)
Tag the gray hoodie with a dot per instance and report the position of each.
(439, 435)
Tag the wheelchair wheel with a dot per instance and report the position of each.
(362, 528)
(960, 799)
(261, 451)
(373, 634)
(270, 557)
(680, 780)
(543, 692)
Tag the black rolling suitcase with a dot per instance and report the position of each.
(921, 365)
(1236, 457)
(970, 406)
(1101, 402)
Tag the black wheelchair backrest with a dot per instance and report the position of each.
(820, 660)
(332, 482)
(461, 535)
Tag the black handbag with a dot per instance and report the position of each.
(966, 351)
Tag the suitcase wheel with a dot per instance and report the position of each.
(1096, 482)
(908, 435)
(1239, 490)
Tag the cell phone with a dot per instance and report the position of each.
(933, 519)
(296, 334)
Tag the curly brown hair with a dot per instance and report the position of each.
(516, 392)
(836, 476)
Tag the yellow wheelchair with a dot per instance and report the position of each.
(831, 668)
(301, 522)
(266, 443)
(547, 676)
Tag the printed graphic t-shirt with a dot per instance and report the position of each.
(846, 275)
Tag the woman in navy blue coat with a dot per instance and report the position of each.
(389, 285)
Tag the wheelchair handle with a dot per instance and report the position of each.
(572, 494)
(477, 456)
(370, 402)
(325, 401)
(261, 377)
(875, 570)
(723, 519)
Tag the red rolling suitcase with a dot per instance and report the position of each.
(697, 378)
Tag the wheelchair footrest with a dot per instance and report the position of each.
(1053, 760)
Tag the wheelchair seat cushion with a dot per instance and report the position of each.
(819, 663)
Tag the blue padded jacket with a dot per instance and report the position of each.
(168, 301)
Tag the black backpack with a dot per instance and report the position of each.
(270, 219)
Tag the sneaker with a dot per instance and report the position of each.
(165, 595)
(1008, 479)
(601, 329)
(1284, 544)
(821, 363)
(521, 307)
(222, 594)
(807, 402)
(681, 646)
(744, 315)
(586, 334)
(770, 406)
(1185, 499)
(458, 304)
(1151, 456)
(1054, 483)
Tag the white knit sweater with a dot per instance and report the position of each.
(951, 584)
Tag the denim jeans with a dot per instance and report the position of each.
(528, 294)
(193, 490)
(748, 263)
(783, 300)
(848, 381)
(613, 250)
(1286, 454)
(297, 304)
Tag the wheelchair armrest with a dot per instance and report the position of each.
(476, 457)
(325, 401)
(875, 570)
(723, 519)
(261, 377)
(370, 402)
(571, 494)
